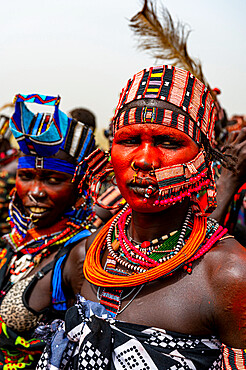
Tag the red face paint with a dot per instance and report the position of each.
(148, 146)
(45, 194)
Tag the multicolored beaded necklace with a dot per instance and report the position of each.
(131, 256)
(32, 255)
(38, 244)
(204, 234)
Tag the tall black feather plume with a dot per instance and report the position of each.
(165, 40)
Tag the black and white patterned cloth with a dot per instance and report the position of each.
(91, 339)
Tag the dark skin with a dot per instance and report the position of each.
(210, 301)
(72, 276)
(46, 195)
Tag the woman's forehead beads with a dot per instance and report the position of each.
(193, 114)
(172, 85)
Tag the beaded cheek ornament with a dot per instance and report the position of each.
(179, 181)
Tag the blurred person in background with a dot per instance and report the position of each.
(84, 115)
(8, 166)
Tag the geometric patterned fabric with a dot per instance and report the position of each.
(173, 85)
(99, 342)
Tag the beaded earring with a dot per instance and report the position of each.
(99, 168)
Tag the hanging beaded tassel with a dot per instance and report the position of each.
(99, 168)
(211, 192)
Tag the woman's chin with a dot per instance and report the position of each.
(42, 220)
(144, 205)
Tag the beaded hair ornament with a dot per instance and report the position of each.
(98, 169)
(175, 86)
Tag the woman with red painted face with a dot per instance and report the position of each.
(164, 284)
(42, 257)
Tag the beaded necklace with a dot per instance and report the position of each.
(131, 253)
(163, 251)
(31, 257)
(23, 266)
(95, 274)
(37, 245)
(150, 247)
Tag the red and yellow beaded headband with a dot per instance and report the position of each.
(172, 85)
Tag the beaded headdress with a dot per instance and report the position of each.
(41, 135)
(173, 85)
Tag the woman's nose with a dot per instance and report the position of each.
(37, 191)
(147, 157)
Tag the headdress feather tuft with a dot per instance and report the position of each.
(165, 40)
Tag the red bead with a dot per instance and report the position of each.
(149, 191)
(145, 244)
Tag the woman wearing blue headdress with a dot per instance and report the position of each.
(41, 259)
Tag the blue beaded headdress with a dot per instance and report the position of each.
(41, 135)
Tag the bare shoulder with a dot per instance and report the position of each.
(91, 238)
(226, 271)
(73, 268)
(78, 252)
(227, 260)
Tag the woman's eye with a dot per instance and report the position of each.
(54, 180)
(25, 176)
(167, 143)
(131, 141)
